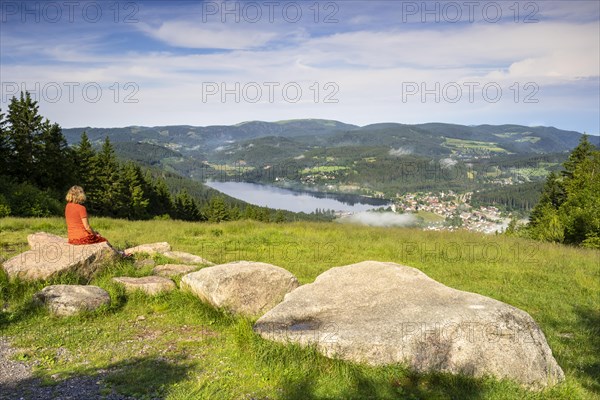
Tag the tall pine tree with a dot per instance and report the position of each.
(24, 138)
(160, 201)
(108, 194)
(136, 201)
(54, 158)
(85, 173)
(4, 148)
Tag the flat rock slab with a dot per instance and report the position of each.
(186, 258)
(173, 269)
(385, 313)
(64, 300)
(51, 255)
(149, 248)
(244, 287)
(149, 284)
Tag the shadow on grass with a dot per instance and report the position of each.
(589, 319)
(142, 377)
(411, 386)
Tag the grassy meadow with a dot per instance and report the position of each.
(173, 346)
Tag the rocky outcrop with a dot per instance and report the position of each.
(246, 288)
(150, 284)
(51, 255)
(65, 300)
(384, 313)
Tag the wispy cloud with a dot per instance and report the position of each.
(171, 53)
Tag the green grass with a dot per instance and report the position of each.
(184, 349)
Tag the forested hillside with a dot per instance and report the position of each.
(378, 160)
(37, 167)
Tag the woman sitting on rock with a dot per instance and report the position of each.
(79, 230)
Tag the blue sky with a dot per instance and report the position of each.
(108, 64)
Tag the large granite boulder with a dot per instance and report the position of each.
(149, 284)
(384, 313)
(65, 300)
(243, 287)
(51, 255)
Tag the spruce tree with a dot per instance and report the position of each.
(85, 172)
(217, 210)
(161, 202)
(580, 212)
(5, 153)
(136, 200)
(186, 208)
(579, 154)
(23, 138)
(108, 195)
(54, 158)
(553, 196)
(569, 208)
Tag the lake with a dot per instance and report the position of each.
(291, 200)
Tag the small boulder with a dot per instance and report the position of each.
(385, 313)
(65, 300)
(149, 248)
(173, 269)
(187, 258)
(243, 287)
(149, 284)
(51, 255)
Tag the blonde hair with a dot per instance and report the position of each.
(75, 195)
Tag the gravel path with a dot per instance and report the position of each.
(17, 382)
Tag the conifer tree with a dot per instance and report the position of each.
(161, 202)
(54, 158)
(23, 137)
(136, 201)
(578, 155)
(186, 208)
(279, 216)
(235, 213)
(108, 195)
(4, 148)
(85, 175)
(569, 208)
(217, 210)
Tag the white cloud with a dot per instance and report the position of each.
(368, 61)
(212, 36)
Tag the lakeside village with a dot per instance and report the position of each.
(448, 211)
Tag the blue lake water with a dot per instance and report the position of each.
(285, 199)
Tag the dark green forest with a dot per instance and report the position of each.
(569, 207)
(37, 167)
